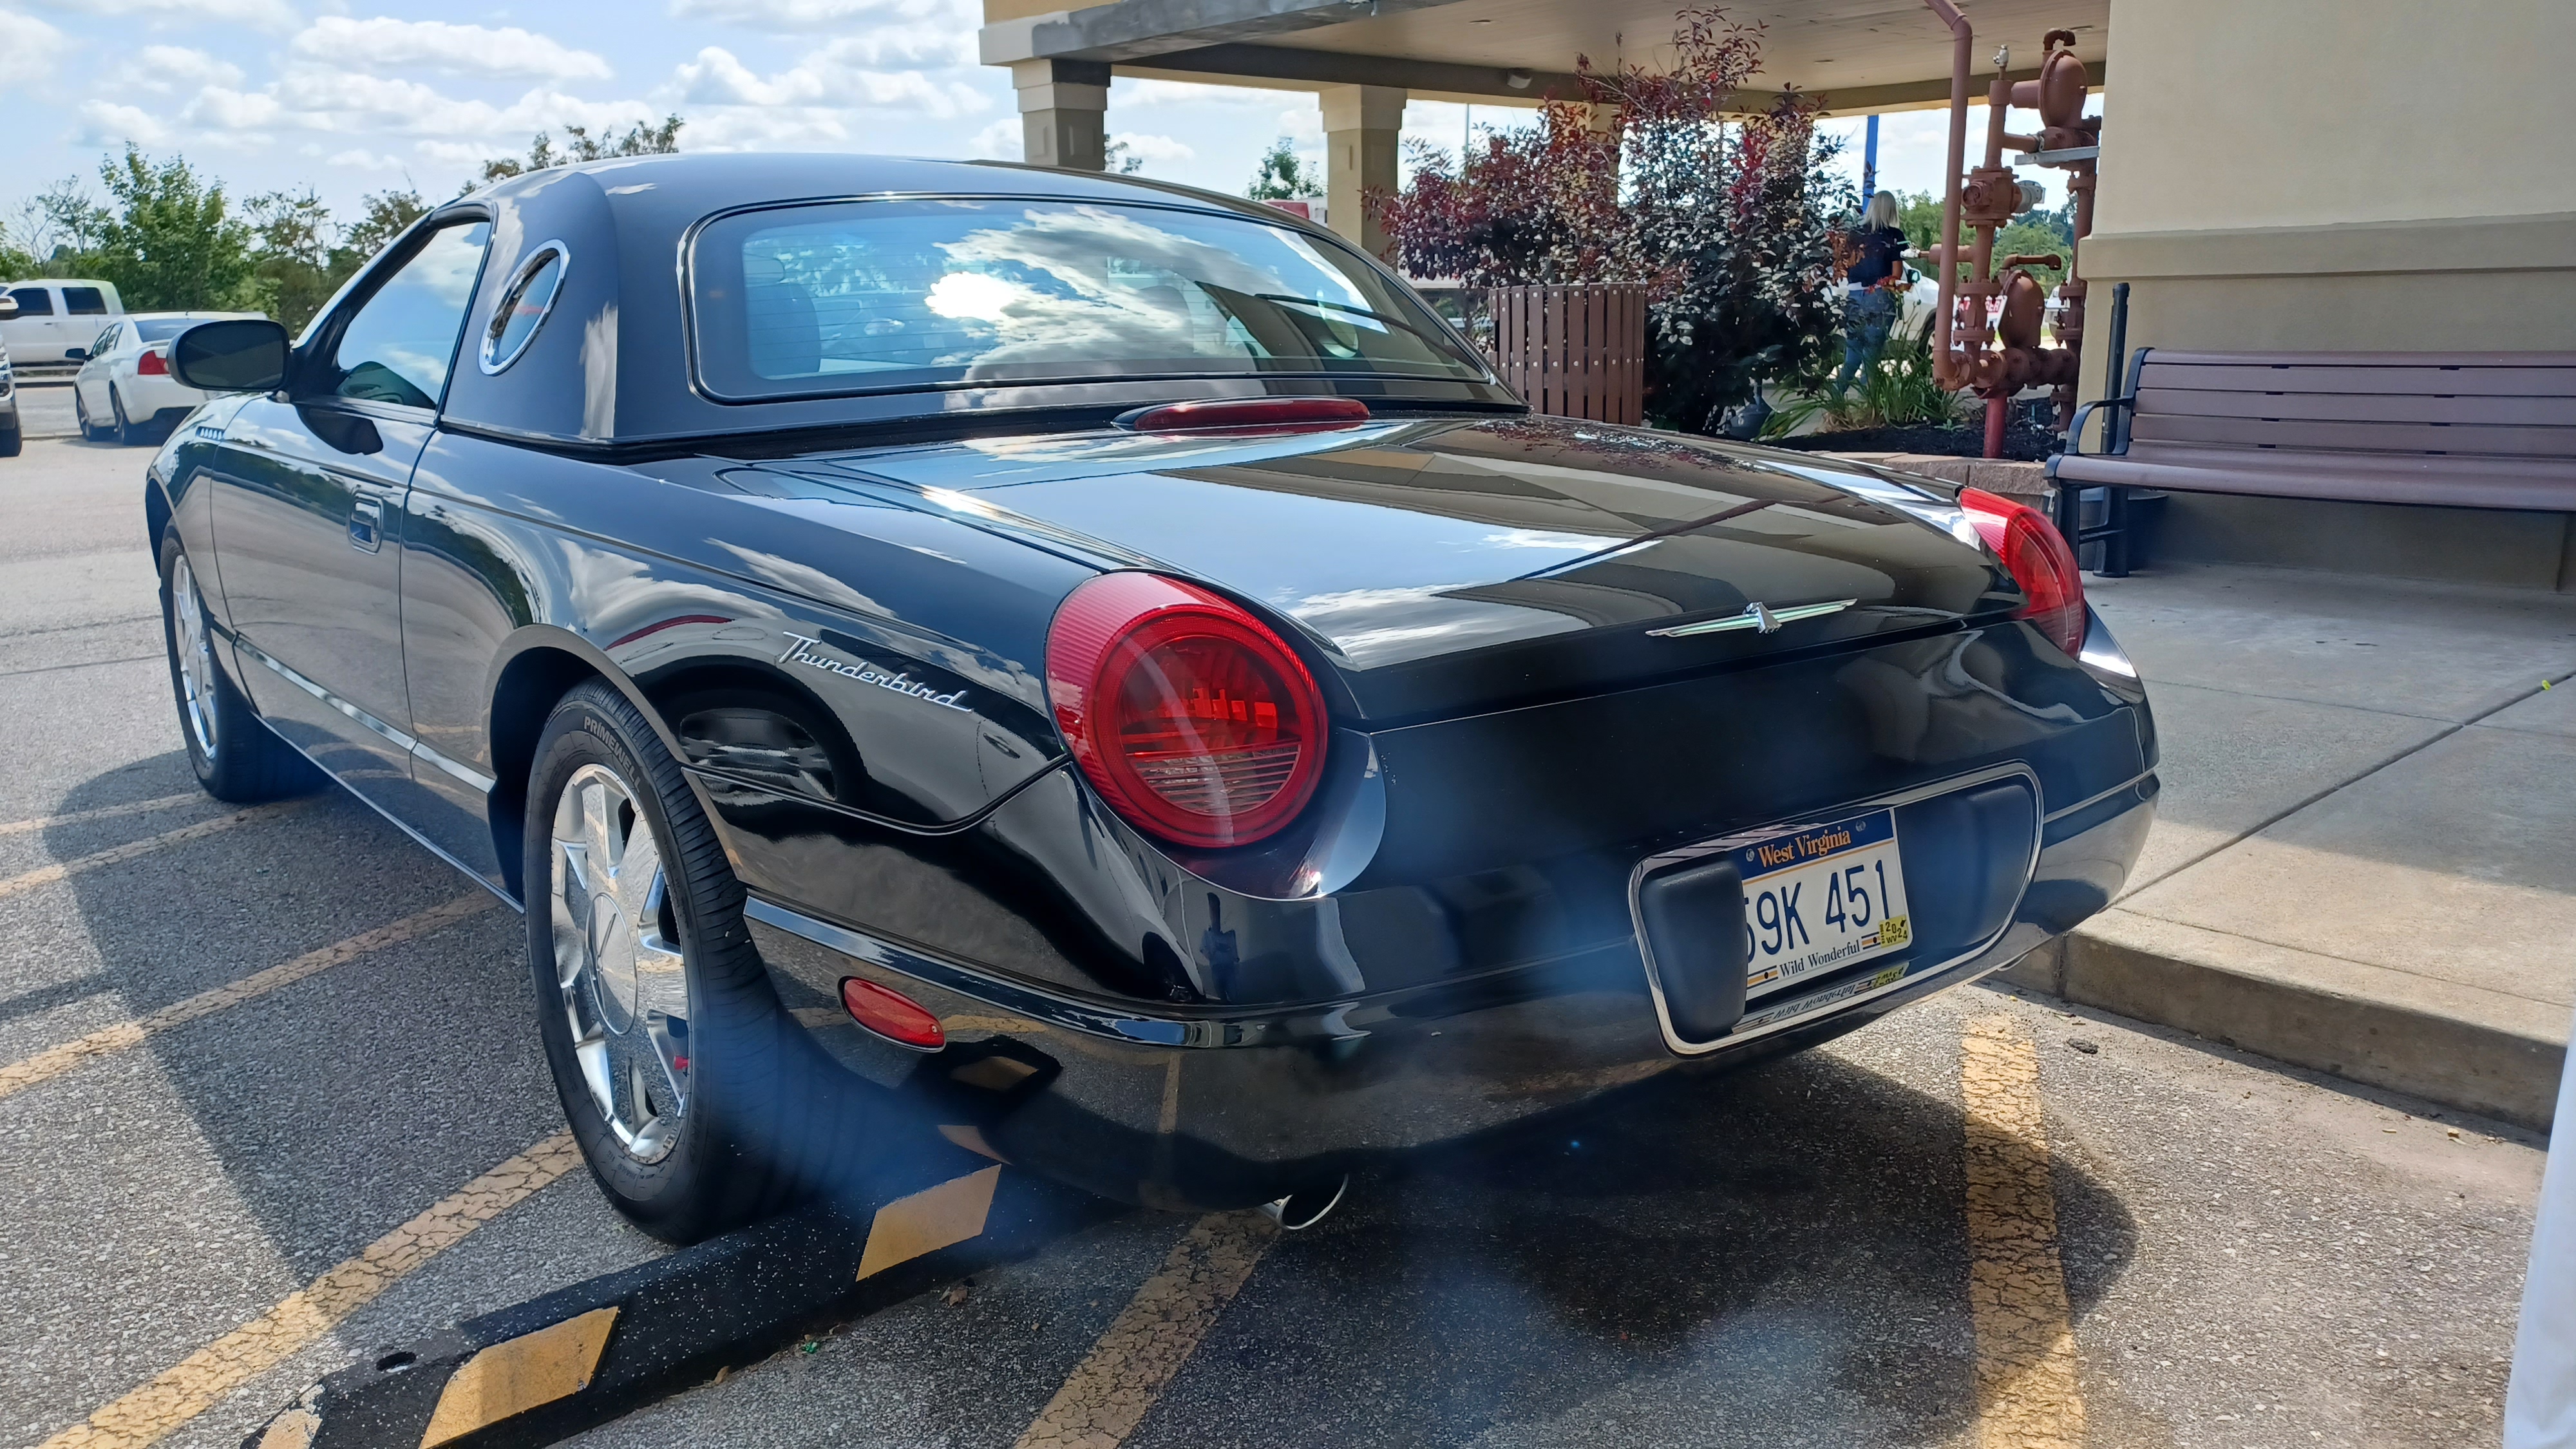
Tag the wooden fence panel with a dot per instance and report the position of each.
(1577, 352)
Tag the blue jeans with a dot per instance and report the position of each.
(1867, 316)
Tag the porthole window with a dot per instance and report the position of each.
(524, 305)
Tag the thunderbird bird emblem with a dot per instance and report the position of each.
(1759, 617)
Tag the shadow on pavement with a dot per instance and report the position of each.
(1791, 1236)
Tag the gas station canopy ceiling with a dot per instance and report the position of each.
(1858, 55)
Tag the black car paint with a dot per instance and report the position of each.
(1442, 942)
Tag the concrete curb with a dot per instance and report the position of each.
(2475, 1050)
(551, 1367)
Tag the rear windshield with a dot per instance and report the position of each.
(162, 329)
(896, 295)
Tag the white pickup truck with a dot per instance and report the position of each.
(57, 318)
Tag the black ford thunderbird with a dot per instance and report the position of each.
(1107, 666)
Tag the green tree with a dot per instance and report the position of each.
(641, 139)
(33, 242)
(1282, 177)
(291, 274)
(2033, 233)
(1121, 160)
(387, 214)
(165, 237)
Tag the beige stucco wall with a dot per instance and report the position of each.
(2309, 112)
(2362, 174)
(2343, 175)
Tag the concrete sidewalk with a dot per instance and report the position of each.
(2365, 856)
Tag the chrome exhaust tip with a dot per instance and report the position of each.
(1301, 1210)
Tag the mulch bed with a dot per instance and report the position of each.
(2021, 441)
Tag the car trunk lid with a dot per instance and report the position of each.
(1450, 566)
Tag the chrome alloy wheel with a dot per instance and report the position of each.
(618, 967)
(196, 657)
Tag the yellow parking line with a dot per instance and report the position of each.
(52, 1062)
(204, 1378)
(47, 875)
(1107, 1394)
(103, 812)
(2028, 1394)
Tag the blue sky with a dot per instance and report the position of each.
(353, 97)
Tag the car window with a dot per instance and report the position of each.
(33, 302)
(85, 301)
(105, 344)
(398, 347)
(162, 329)
(872, 296)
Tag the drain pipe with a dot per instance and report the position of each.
(1945, 365)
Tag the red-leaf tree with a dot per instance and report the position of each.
(1661, 177)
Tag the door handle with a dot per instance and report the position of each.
(367, 524)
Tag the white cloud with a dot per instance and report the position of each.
(768, 128)
(342, 102)
(361, 159)
(222, 108)
(1153, 148)
(256, 14)
(384, 43)
(798, 16)
(106, 123)
(168, 68)
(716, 77)
(28, 48)
(940, 42)
(1004, 140)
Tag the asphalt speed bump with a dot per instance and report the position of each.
(551, 1367)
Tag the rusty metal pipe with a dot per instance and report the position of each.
(1963, 40)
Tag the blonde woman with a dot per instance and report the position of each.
(1870, 308)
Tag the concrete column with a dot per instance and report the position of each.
(1064, 106)
(1361, 124)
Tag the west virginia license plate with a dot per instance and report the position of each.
(1821, 899)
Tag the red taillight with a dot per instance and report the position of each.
(1236, 413)
(2036, 555)
(891, 1014)
(1192, 719)
(153, 363)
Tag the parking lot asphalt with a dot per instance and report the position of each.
(240, 1052)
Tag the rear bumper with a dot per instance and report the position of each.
(1226, 1108)
(156, 398)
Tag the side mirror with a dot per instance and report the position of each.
(75, 354)
(239, 354)
(8, 309)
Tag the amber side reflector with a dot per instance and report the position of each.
(892, 1015)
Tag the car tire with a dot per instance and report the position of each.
(129, 433)
(691, 1131)
(90, 432)
(236, 756)
(13, 441)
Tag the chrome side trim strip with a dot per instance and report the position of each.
(481, 782)
(1778, 1017)
(2142, 777)
(398, 823)
(365, 720)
